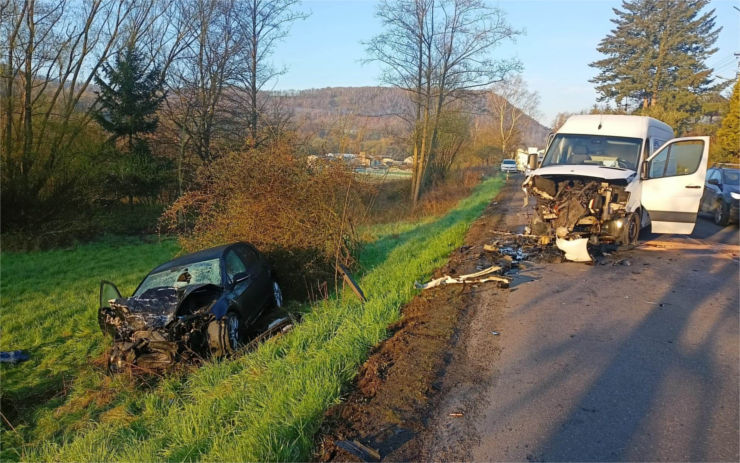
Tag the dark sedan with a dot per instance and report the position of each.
(722, 193)
(194, 305)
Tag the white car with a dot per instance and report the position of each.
(509, 165)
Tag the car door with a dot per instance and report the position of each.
(673, 183)
(260, 270)
(108, 291)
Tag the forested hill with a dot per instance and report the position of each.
(374, 118)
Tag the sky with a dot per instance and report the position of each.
(560, 39)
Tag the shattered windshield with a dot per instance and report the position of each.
(598, 150)
(207, 271)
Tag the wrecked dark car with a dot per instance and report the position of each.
(194, 306)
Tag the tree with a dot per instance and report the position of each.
(511, 106)
(728, 135)
(128, 101)
(437, 50)
(655, 58)
(265, 23)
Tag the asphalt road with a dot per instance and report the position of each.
(634, 360)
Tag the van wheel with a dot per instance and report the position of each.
(630, 230)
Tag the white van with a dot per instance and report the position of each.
(604, 177)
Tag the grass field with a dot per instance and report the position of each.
(263, 406)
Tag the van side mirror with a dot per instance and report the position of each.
(532, 161)
(644, 170)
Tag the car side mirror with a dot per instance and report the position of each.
(644, 170)
(713, 181)
(240, 277)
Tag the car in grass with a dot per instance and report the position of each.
(194, 306)
(509, 166)
(721, 196)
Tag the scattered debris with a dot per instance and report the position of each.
(495, 333)
(456, 414)
(14, 356)
(360, 450)
(351, 282)
(478, 277)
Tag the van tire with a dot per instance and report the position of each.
(630, 231)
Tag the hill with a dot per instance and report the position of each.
(376, 119)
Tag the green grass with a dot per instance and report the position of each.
(263, 406)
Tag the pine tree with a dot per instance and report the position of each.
(728, 135)
(129, 97)
(655, 58)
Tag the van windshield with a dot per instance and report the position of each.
(599, 150)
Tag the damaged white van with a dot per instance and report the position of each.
(604, 177)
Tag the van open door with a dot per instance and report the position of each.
(673, 183)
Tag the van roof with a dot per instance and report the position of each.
(615, 125)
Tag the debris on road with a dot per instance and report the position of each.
(478, 277)
(456, 415)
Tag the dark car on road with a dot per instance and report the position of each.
(196, 305)
(722, 193)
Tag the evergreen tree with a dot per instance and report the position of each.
(728, 136)
(655, 58)
(129, 97)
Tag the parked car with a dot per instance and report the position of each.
(722, 193)
(196, 305)
(509, 165)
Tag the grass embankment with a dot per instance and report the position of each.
(266, 405)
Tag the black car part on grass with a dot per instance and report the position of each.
(186, 319)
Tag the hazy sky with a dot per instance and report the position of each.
(560, 40)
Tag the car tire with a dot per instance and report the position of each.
(223, 335)
(721, 214)
(630, 230)
(277, 295)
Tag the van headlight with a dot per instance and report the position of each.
(735, 195)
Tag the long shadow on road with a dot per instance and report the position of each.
(622, 415)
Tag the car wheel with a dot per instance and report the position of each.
(223, 335)
(277, 294)
(630, 230)
(722, 214)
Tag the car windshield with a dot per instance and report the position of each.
(509, 161)
(599, 150)
(731, 177)
(207, 271)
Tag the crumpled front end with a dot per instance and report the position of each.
(159, 328)
(577, 210)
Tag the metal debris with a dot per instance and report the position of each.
(359, 449)
(478, 277)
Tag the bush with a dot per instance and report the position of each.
(301, 216)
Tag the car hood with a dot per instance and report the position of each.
(607, 173)
(157, 307)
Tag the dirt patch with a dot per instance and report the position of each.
(388, 408)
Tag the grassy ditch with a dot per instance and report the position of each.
(264, 406)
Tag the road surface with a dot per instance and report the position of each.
(633, 360)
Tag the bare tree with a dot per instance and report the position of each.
(511, 105)
(437, 50)
(264, 23)
(52, 51)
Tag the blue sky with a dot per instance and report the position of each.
(560, 40)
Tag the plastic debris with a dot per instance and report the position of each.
(14, 356)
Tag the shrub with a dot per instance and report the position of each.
(301, 216)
